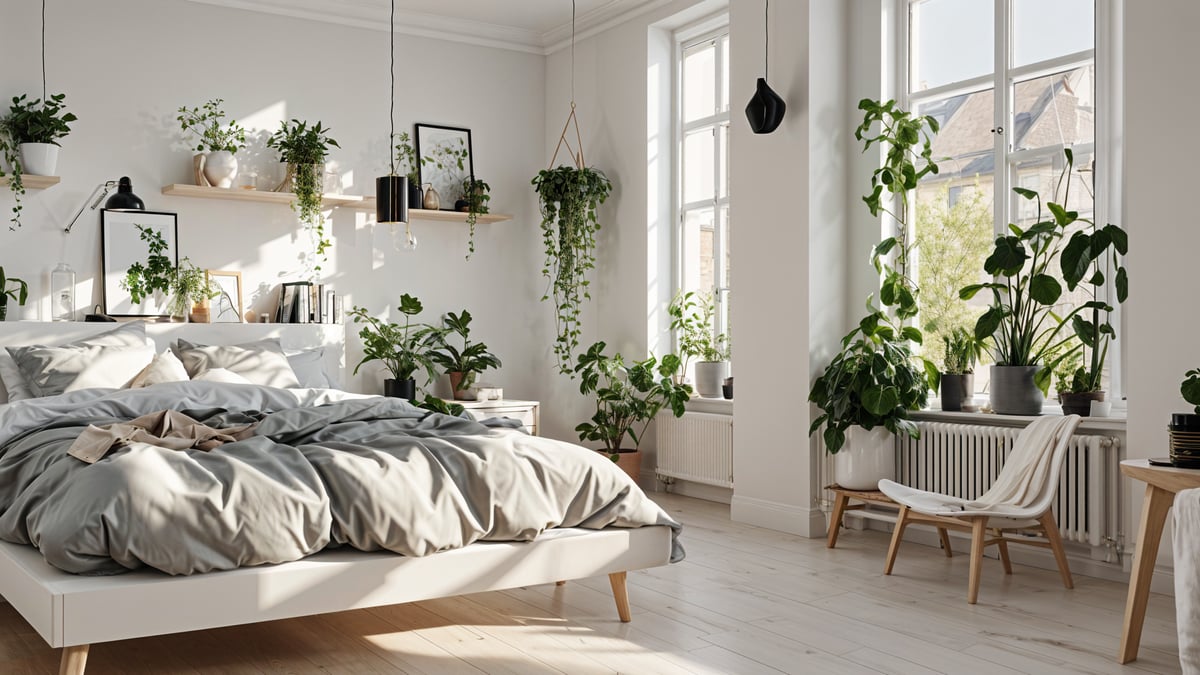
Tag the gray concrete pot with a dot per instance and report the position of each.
(1013, 391)
(957, 389)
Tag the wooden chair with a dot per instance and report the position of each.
(1032, 469)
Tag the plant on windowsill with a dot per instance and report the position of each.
(465, 364)
(304, 149)
(217, 140)
(692, 322)
(403, 350)
(476, 195)
(628, 397)
(957, 380)
(11, 288)
(29, 136)
(569, 199)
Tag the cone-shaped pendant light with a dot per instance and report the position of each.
(765, 110)
(391, 191)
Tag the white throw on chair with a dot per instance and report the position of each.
(1019, 500)
(1187, 578)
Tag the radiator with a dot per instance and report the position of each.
(696, 447)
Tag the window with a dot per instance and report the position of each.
(702, 170)
(1012, 83)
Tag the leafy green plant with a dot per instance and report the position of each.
(1068, 376)
(437, 405)
(30, 121)
(207, 124)
(1190, 388)
(470, 360)
(692, 322)
(962, 350)
(304, 149)
(158, 272)
(569, 199)
(628, 395)
(907, 141)
(403, 350)
(406, 159)
(189, 286)
(874, 381)
(14, 288)
(477, 194)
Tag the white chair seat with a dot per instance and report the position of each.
(937, 504)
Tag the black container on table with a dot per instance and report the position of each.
(406, 389)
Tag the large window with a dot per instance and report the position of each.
(702, 170)
(1012, 83)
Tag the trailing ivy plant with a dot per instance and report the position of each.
(207, 124)
(305, 148)
(569, 198)
(477, 194)
(29, 121)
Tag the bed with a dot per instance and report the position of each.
(608, 528)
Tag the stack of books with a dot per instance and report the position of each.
(306, 302)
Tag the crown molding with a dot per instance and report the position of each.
(597, 21)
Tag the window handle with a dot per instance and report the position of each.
(998, 130)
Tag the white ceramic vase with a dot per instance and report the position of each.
(220, 168)
(710, 375)
(865, 459)
(38, 159)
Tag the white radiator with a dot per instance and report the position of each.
(697, 447)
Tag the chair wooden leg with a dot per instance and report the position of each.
(1055, 538)
(1002, 545)
(621, 595)
(897, 535)
(978, 537)
(835, 521)
(945, 535)
(74, 660)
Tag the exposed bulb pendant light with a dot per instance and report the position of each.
(391, 191)
(766, 108)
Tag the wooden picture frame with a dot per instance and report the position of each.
(227, 306)
(121, 245)
(447, 180)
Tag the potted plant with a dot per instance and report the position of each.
(465, 364)
(14, 288)
(406, 158)
(865, 395)
(1025, 330)
(304, 149)
(628, 397)
(692, 322)
(1184, 429)
(957, 379)
(569, 199)
(217, 140)
(183, 285)
(29, 136)
(476, 195)
(403, 350)
(191, 291)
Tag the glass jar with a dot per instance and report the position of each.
(62, 293)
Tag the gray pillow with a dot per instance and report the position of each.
(102, 360)
(261, 362)
(309, 365)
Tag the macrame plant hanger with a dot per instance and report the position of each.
(576, 154)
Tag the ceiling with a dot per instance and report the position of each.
(536, 26)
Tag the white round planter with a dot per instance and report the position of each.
(710, 375)
(38, 159)
(865, 459)
(220, 168)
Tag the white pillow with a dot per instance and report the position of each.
(221, 375)
(309, 365)
(18, 385)
(259, 362)
(166, 367)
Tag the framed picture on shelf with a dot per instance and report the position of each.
(227, 306)
(446, 160)
(123, 244)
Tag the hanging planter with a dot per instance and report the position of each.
(304, 149)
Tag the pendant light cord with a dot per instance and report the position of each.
(572, 54)
(43, 52)
(767, 39)
(392, 92)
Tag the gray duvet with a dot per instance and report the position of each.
(325, 468)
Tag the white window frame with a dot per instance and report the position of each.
(1105, 147)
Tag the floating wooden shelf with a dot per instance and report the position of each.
(34, 182)
(368, 204)
(237, 194)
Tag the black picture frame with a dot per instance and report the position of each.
(448, 184)
(121, 246)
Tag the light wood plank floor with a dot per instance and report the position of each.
(746, 600)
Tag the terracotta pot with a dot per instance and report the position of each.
(460, 389)
(630, 461)
(200, 313)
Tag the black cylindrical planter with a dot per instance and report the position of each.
(957, 389)
(416, 197)
(1184, 432)
(406, 389)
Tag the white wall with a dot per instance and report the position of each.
(126, 65)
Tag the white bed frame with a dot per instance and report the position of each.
(74, 612)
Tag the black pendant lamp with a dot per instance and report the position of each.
(766, 108)
(391, 191)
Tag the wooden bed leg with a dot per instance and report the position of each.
(74, 660)
(621, 594)
(560, 583)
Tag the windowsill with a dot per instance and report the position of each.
(1088, 424)
(713, 406)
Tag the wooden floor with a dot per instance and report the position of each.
(746, 601)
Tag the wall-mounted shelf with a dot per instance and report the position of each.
(34, 182)
(368, 204)
(236, 194)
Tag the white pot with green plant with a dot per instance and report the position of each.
(11, 288)
(29, 136)
(304, 149)
(692, 323)
(957, 381)
(218, 140)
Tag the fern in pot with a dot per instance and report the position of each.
(463, 364)
(29, 136)
(304, 149)
(957, 380)
(692, 322)
(402, 349)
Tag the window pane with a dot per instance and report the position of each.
(723, 180)
(1045, 29)
(725, 73)
(698, 250)
(1056, 110)
(699, 82)
(966, 129)
(699, 163)
(951, 41)
(725, 239)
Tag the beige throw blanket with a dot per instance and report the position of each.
(165, 429)
(1029, 465)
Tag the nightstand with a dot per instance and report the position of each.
(527, 412)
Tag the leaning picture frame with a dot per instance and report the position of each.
(446, 159)
(226, 307)
(121, 246)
